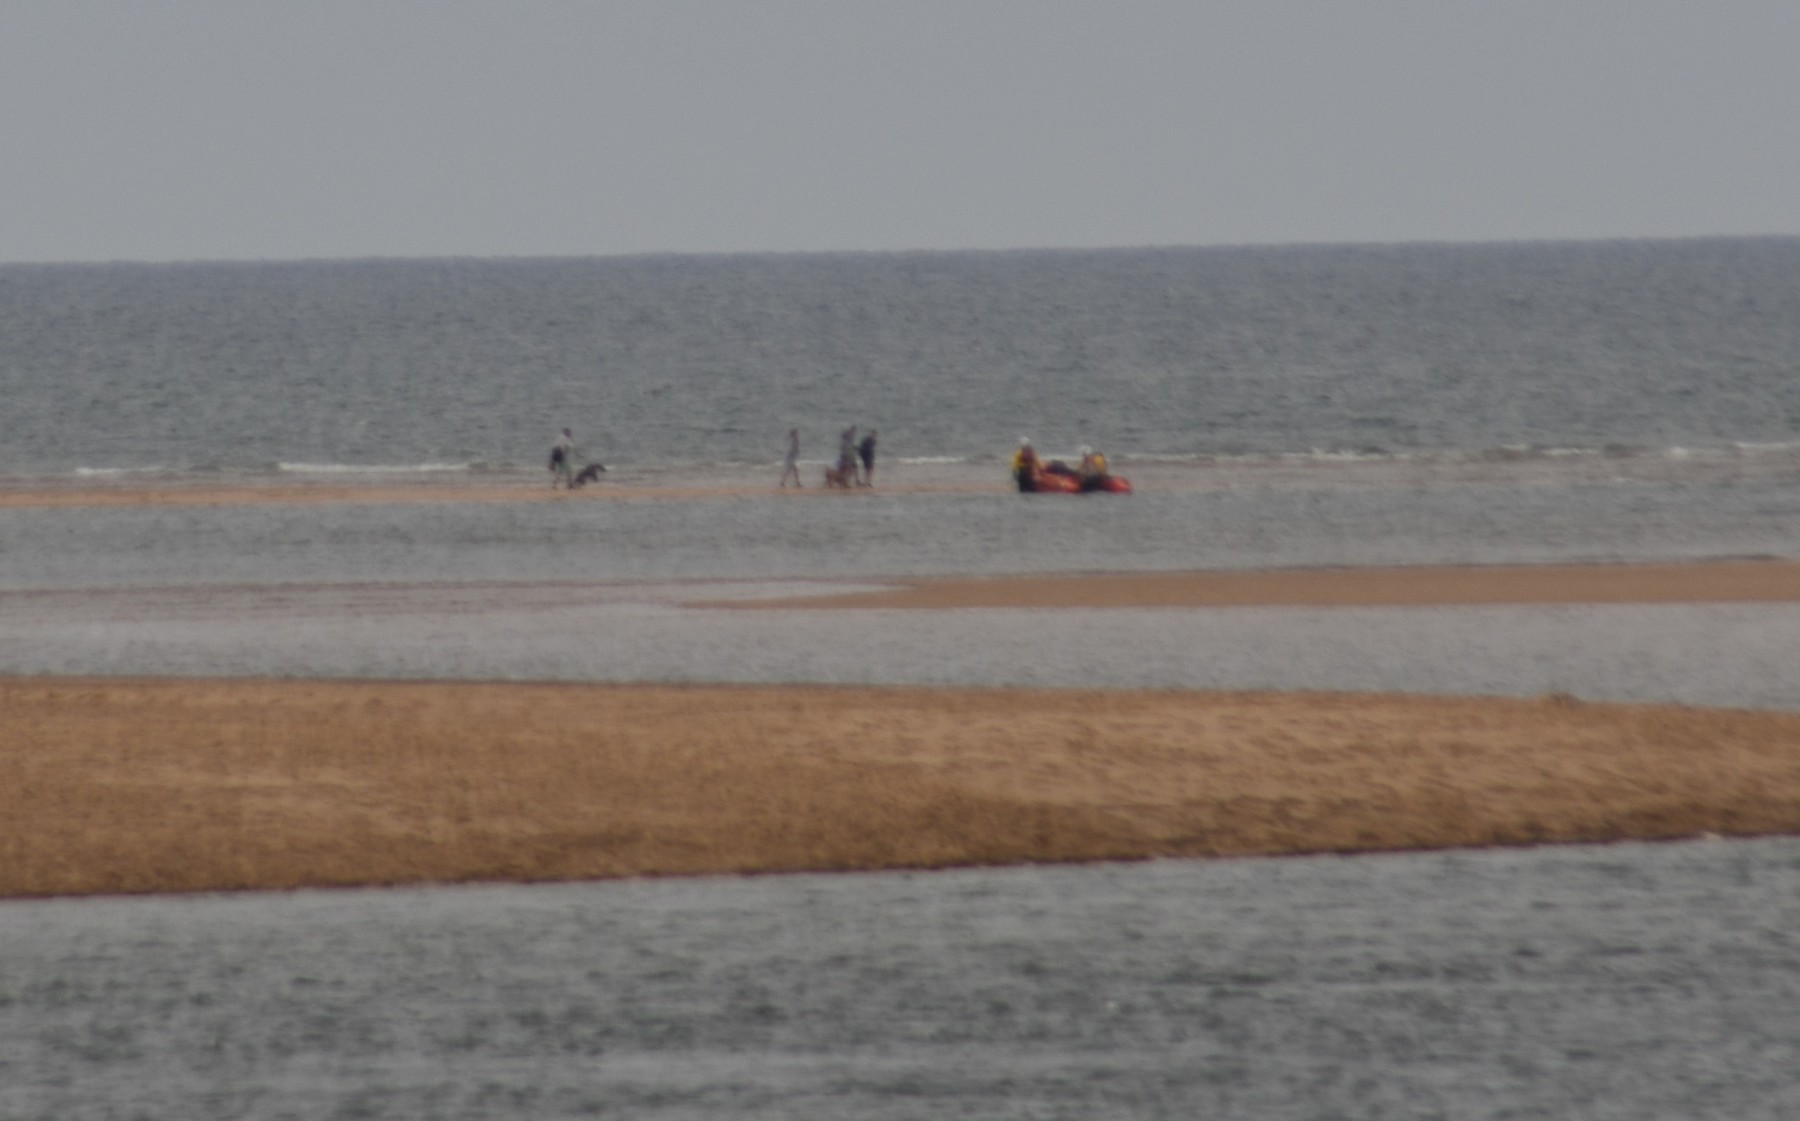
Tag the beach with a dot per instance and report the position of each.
(1410, 586)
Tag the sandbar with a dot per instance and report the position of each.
(191, 493)
(187, 785)
(1718, 580)
(1709, 581)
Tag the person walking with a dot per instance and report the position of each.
(792, 466)
(562, 460)
(866, 449)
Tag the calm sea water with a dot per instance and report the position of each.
(1630, 982)
(1276, 407)
(1628, 348)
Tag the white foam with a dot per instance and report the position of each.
(119, 472)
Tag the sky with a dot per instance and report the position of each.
(166, 130)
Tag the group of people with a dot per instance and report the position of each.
(851, 453)
(1029, 471)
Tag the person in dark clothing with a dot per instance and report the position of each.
(866, 450)
(846, 460)
(790, 468)
(562, 459)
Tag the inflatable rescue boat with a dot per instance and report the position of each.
(1057, 477)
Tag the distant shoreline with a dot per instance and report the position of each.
(899, 475)
(432, 490)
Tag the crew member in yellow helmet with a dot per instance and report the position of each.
(1092, 471)
(1025, 467)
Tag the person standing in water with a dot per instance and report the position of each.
(562, 459)
(792, 466)
(866, 449)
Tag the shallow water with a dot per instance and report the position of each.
(1735, 655)
(1193, 517)
(1626, 981)
(595, 590)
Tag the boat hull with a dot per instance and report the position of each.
(1050, 482)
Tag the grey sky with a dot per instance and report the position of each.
(210, 129)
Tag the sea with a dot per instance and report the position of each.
(1274, 407)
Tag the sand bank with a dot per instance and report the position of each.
(173, 785)
(1712, 581)
(188, 493)
(1751, 581)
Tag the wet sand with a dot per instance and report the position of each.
(193, 785)
(1710, 581)
(1749, 581)
(200, 494)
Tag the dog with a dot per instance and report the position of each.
(840, 476)
(588, 474)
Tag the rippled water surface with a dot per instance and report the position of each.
(1626, 981)
(658, 362)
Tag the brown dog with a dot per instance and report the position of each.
(588, 474)
(839, 476)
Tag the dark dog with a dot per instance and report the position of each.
(588, 474)
(840, 476)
